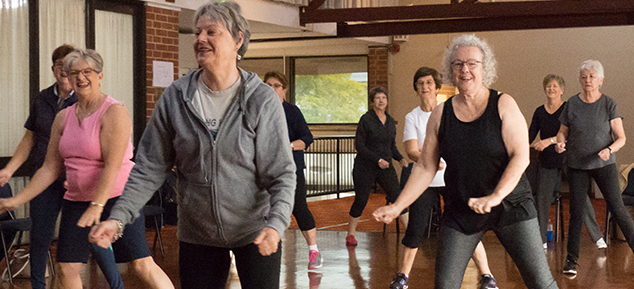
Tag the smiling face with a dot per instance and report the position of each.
(590, 80)
(553, 89)
(277, 86)
(467, 78)
(84, 80)
(61, 78)
(214, 46)
(380, 101)
(426, 88)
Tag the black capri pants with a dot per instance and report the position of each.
(364, 175)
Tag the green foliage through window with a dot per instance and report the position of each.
(331, 98)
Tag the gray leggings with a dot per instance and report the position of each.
(521, 240)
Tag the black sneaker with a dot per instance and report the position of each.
(570, 267)
(488, 282)
(399, 282)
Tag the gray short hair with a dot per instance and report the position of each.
(592, 64)
(230, 15)
(92, 57)
(489, 74)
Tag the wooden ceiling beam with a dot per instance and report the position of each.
(548, 8)
(482, 24)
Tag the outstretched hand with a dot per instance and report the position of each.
(103, 233)
(267, 241)
(8, 204)
(91, 216)
(386, 214)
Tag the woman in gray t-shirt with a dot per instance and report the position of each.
(593, 129)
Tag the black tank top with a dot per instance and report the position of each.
(476, 158)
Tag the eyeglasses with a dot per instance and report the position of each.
(471, 64)
(275, 85)
(421, 83)
(86, 72)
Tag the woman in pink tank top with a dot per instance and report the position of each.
(91, 140)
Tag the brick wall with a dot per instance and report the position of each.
(161, 45)
(377, 67)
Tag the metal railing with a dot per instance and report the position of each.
(329, 163)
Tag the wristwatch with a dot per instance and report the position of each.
(611, 152)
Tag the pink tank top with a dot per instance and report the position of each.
(80, 148)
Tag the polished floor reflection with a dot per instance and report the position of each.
(373, 263)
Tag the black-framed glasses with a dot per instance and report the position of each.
(471, 64)
(86, 72)
(275, 85)
(421, 83)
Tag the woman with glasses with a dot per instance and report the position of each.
(91, 140)
(482, 136)
(427, 83)
(300, 137)
(591, 132)
(376, 147)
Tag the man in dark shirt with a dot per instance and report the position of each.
(45, 208)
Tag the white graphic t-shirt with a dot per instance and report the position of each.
(211, 105)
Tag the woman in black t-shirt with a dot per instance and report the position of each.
(482, 136)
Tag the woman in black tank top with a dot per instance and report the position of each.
(482, 136)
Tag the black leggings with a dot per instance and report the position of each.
(364, 176)
(302, 214)
(207, 267)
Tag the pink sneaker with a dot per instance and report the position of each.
(315, 260)
(351, 241)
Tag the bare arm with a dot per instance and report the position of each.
(19, 156)
(116, 129)
(515, 137)
(618, 134)
(422, 174)
(411, 148)
(562, 135)
(47, 174)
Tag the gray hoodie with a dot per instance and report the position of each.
(229, 188)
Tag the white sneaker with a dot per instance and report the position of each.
(545, 245)
(601, 244)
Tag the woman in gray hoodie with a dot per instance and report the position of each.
(225, 132)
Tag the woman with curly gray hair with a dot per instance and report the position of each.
(482, 136)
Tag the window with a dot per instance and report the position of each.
(331, 90)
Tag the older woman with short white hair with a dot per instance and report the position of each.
(483, 138)
(225, 132)
(591, 132)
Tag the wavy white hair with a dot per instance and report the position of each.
(489, 73)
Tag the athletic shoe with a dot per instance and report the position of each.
(570, 267)
(399, 282)
(315, 260)
(351, 241)
(545, 246)
(488, 282)
(601, 244)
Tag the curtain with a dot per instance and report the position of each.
(113, 40)
(14, 73)
(61, 22)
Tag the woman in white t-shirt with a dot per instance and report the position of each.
(427, 82)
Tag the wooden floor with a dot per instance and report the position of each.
(374, 262)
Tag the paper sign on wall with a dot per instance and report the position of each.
(163, 73)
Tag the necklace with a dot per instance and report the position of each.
(81, 113)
